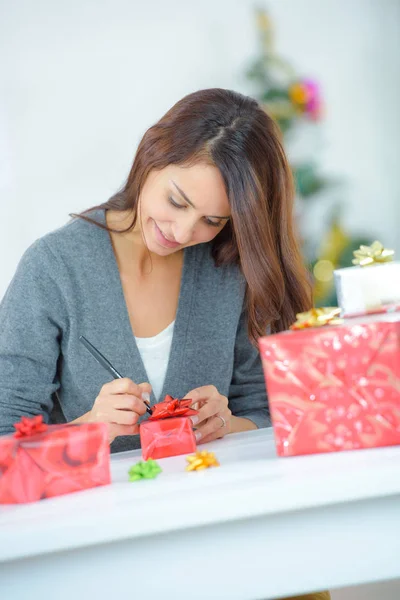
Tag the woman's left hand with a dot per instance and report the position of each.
(214, 419)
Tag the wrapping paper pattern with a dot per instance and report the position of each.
(60, 460)
(167, 437)
(334, 388)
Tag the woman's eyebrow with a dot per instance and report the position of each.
(184, 196)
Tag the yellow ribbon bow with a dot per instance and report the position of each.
(317, 317)
(372, 255)
(201, 460)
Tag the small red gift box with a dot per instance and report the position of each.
(169, 430)
(335, 387)
(40, 461)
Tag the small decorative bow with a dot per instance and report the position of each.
(201, 460)
(372, 255)
(147, 469)
(28, 426)
(172, 407)
(317, 317)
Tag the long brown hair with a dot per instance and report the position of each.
(233, 132)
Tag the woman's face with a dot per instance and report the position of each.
(182, 206)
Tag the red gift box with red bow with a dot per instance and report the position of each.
(40, 461)
(335, 387)
(169, 430)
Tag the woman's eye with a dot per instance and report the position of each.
(172, 201)
(213, 223)
(206, 219)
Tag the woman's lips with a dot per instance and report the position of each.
(162, 240)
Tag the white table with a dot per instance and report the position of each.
(257, 527)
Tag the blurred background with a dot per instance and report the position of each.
(80, 82)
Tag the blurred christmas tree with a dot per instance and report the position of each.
(296, 105)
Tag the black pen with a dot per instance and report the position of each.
(106, 364)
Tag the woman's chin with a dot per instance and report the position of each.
(161, 251)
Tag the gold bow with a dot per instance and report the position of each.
(317, 317)
(372, 255)
(201, 460)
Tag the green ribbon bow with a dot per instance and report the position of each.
(147, 469)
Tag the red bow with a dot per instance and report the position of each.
(172, 407)
(28, 426)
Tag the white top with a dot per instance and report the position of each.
(155, 353)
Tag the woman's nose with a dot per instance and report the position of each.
(183, 230)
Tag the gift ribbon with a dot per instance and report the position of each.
(372, 255)
(317, 317)
(172, 407)
(29, 426)
(201, 460)
(147, 469)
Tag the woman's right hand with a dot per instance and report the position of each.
(120, 403)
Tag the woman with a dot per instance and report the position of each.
(173, 280)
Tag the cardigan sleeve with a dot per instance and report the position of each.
(32, 317)
(247, 392)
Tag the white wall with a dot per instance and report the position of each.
(80, 81)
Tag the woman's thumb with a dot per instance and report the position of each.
(146, 391)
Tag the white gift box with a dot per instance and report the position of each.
(365, 290)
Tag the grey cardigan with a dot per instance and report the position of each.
(67, 284)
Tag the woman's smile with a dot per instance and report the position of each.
(162, 239)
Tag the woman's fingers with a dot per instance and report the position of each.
(215, 427)
(128, 402)
(125, 386)
(123, 417)
(202, 393)
(145, 389)
(120, 404)
(216, 404)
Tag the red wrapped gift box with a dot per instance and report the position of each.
(335, 387)
(169, 430)
(41, 461)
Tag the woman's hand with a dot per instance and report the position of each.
(120, 404)
(214, 418)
